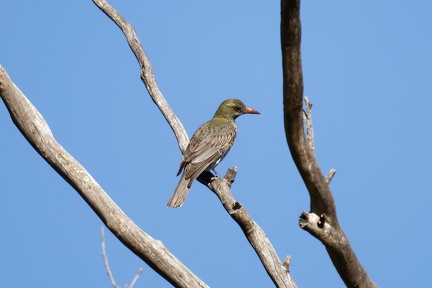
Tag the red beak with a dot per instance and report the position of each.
(251, 111)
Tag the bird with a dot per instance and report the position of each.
(209, 144)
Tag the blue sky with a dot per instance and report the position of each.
(367, 69)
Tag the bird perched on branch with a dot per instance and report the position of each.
(208, 146)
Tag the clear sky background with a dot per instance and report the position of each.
(367, 69)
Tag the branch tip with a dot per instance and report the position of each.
(287, 262)
(231, 174)
(330, 175)
(105, 257)
(135, 279)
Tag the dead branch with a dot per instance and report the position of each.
(330, 175)
(256, 236)
(36, 130)
(147, 75)
(307, 118)
(322, 220)
(105, 257)
(137, 275)
(107, 266)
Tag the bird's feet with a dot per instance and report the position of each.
(206, 177)
(216, 176)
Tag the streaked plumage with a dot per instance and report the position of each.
(208, 146)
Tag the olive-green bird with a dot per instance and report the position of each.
(208, 146)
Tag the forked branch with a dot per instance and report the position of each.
(322, 220)
(278, 271)
(108, 268)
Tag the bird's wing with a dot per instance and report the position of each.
(207, 146)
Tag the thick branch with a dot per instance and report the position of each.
(277, 270)
(35, 129)
(321, 198)
(147, 75)
(322, 222)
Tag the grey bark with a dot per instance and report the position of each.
(37, 132)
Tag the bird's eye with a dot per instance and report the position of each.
(237, 108)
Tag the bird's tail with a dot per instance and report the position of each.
(180, 193)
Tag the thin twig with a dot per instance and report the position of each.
(137, 275)
(111, 276)
(330, 175)
(105, 257)
(307, 118)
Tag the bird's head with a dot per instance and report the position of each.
(232, 108)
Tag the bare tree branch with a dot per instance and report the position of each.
(277, 270)
(322, 221)
(107, 267)
(105, 257)
(330, 175)
(307, 118)
(147, 75)
(35, 129)
(135, 279)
